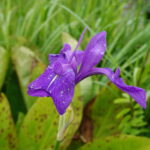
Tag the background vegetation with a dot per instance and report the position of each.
(105, 117)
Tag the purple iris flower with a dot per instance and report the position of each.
(68, 68)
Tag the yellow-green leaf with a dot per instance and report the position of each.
(39, 129)
(4, 60)
(119, 143)
(25, 61)
(8, 138)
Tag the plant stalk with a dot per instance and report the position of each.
(57, 145)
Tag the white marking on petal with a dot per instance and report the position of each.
(52, 81)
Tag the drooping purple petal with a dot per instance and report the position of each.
(62, 90)
(38, 86)
(138, 94)
(93, 52)
(58, 68)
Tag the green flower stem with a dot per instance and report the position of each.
(57, 145)
(61, 128)
(64, 121)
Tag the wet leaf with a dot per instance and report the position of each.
(8, 138)
(25, 61)
(39, 128)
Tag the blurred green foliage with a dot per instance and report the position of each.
(103, 115)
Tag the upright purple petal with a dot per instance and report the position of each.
(56, 57)
(63, 56)
(77, 60)
(62, 90)
(66, 50)
(79, 56)
(93, 52)
(38, 86)
(138, 94)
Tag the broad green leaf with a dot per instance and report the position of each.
(37, 70)
(104, 112)
(39, 128)
(119, 143)
(25, 60)
(4, 60)
(8, 139)
(88, 89)
(77, 105)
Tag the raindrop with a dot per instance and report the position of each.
(102, 53)
(63, 102)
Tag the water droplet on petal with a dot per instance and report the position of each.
(63, 102)
(102, 53)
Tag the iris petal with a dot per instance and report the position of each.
(138, 94)
(63, 57)
(39, 85)
(62, 90)
(93, 52)
(79, 56)
(56, 57)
